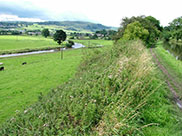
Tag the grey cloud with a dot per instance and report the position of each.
(25, 10)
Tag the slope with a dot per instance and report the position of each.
(115, 92)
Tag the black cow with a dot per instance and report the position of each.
(24, 63)
(1, 68)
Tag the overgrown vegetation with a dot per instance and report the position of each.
(108, 96)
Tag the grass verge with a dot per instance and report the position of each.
(173, 66)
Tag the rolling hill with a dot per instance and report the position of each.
(66, 25)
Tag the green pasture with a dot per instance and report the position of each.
(53, 28)
(20, 85)
(10, 43)
(89, 43)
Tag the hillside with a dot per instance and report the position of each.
(77, 26)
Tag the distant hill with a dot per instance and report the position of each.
(77, 25)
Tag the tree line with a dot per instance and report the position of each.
(149, 30)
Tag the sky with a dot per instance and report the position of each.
(106, 12)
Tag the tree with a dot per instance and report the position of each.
(154, 22)
(149, 23)
(172, 37)
(70, 44)
(59, 36)
(135, 31)
(45, 33)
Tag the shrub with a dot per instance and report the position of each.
(69, 44)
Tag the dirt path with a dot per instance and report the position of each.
(169, 80)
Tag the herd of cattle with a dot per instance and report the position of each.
(2, 67)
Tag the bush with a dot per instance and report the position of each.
(69, 44)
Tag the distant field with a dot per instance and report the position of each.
(8, 43)
(14, 44)
(20, 85)
(51, 28)
(95, 42)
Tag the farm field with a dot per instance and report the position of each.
(88, 43)
(14, 43)
(20, 85)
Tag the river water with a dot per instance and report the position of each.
(75, 46)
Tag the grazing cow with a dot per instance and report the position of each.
(1, 68)
(24, 63)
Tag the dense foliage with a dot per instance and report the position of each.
(148, 23)
(172, 36)
(59, 36)
(135, 31)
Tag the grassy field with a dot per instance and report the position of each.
(51, 28)
(20, 85)
(115, 92)
(15, 44)
(12, 43)
(88, 43)
(173, 66)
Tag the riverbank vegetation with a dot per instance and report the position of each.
(172, 37)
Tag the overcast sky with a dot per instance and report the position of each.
(107, 12)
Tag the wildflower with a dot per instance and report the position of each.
(110, 76)
(25, 111)
(45, 125)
